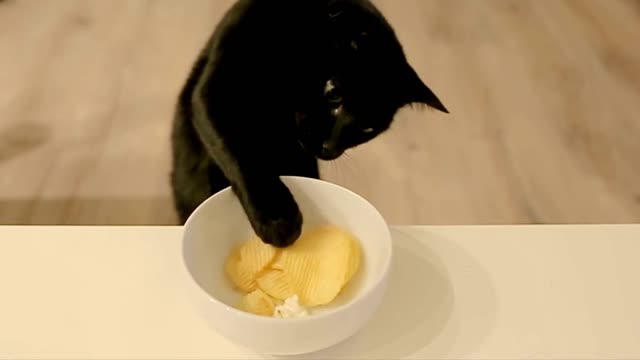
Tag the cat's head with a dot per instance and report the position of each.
(368, 79)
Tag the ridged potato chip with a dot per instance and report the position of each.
(277, 284)
(247, 262)
(277, 262)
(258, 302)
(315, 268)
(318, 263)
(256, 255)
(355, 258)
(239, 274)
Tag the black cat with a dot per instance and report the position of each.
(280, 84)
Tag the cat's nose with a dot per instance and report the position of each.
(329, 152)
(327, 149)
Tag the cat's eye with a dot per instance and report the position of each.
(368, 130)
(332, 93)
(333, 96)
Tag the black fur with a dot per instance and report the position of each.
(280, 84)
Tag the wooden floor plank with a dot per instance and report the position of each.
(543, 95)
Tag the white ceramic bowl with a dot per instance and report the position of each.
(220, 223)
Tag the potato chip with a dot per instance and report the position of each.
(277, 284)
(255, 255)
(247, 262)
(354, 260)
(315, 269)
(239, 274)
(277, 262)
(258, 302)
(316, 282)
(317, 264)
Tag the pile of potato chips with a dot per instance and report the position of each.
(315, 268)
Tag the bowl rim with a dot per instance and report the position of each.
(378, 281)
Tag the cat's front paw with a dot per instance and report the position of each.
(275, 216)
(280, 231)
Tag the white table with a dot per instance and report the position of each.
(501, 292)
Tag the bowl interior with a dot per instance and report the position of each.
(220, 223)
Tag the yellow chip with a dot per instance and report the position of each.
(355, 259)
(258, 302)
(277, 262)
(239, 275)
(315, 282)
(255, 255)
(277, 284)
(317, 264)
(316, 268)
(247, 262)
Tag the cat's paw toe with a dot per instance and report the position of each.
(281, 232)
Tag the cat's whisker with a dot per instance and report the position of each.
(344, 168)
(351, 165)
(333, 170)
(337, 171)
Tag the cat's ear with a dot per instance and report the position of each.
(417, 92)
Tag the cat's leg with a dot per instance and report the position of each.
(309, 169)
(190, 165)
(271, 209)
(190, 161)
(217, 180)
(267, 202)
(189, 191)
(300, 163)
(193, 182)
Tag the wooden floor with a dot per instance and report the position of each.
(545, 101)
